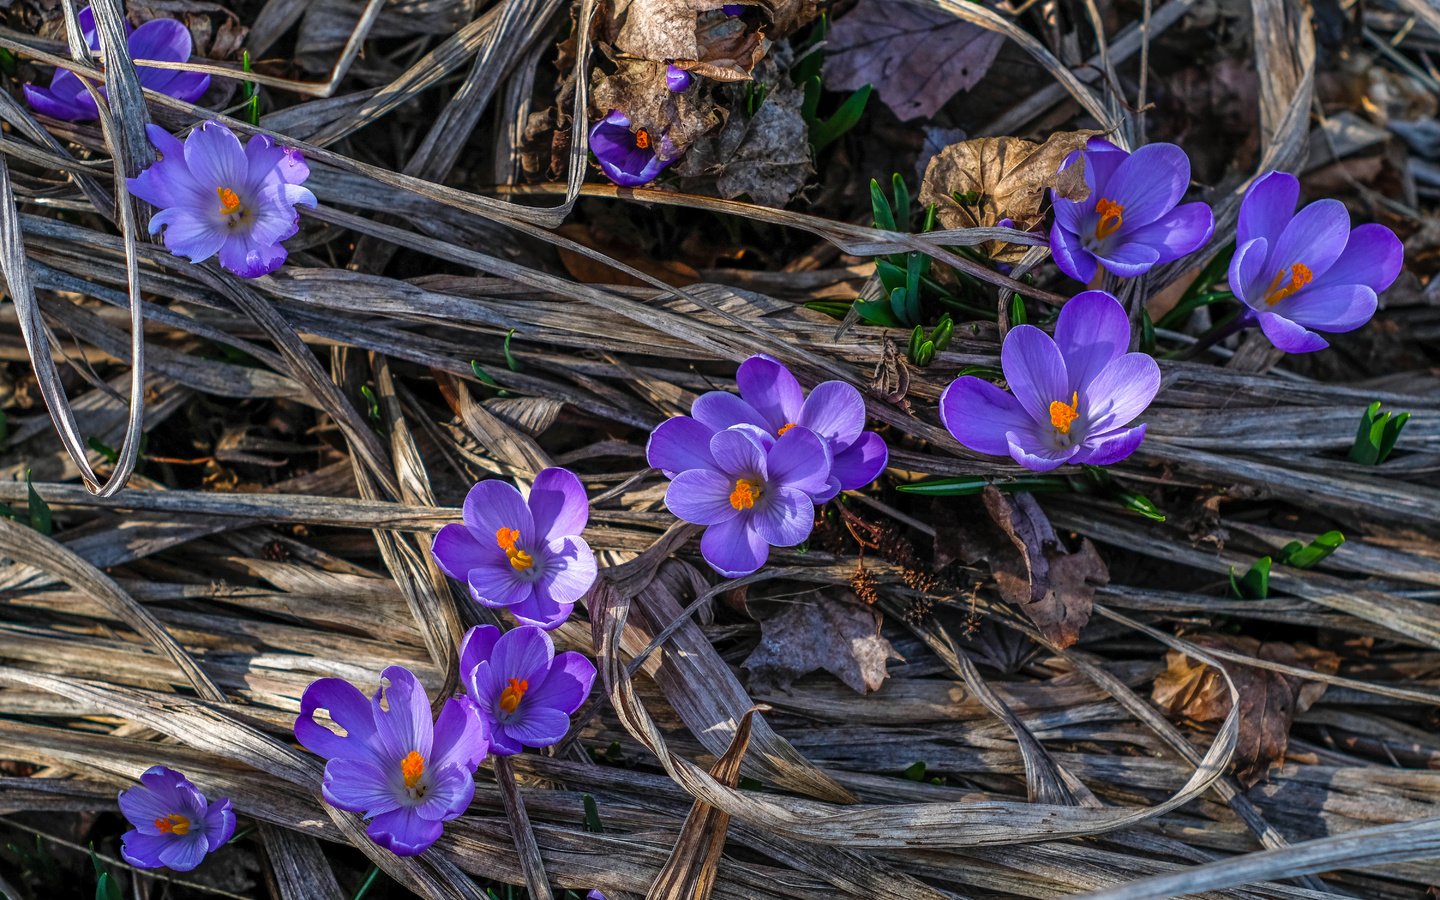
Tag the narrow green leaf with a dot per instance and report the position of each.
(841, 121)
(877, 312)
(1255, 585)
(915, 771)
(902, 201)
(989, 373)
(374, 402)
(1305, 556)
(925, 355)
(368, 883)
(592, 815)
(916, 338)
(510, 360)
(1140, 505)
(108, 888)
(966, 485)
(880, 207)
(40, 518)
(890, 275)
(1017, 310)
(943, 332)
(1392, 434)
(809, 109)
(100, 447)
(1147, 333)
(4, 428)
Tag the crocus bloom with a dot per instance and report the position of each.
(1073, 398)
(393, 765)
(528, 558)
(677, 79)
(772, 401)
(1298, 273)
(166, 40)
(217, 196)
(1130, 221)
(627, 158)
(523, 690)
(174, 826)
(753, 491)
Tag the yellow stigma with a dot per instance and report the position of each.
(514, 692)
(1300, 275)
(411, 768)
(784, 428)
(642, 139)
(1063, 415)
(745, 494)
(173, 824)
(229, 200)
(1112, 215)
(506, 538)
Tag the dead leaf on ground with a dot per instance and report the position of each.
(1269, 701)
(658, 30)
(728, 50)
(1033, 571)
(835, 633)
(638, 87)
(766, 156)
(979, 182)
(916, 57)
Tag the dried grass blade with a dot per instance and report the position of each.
(528, 850)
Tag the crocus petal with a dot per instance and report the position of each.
(836, 412)
(1148, 183)
(1247, 270)
(1373, 257)
(497, 584)
(523, 653)
(143, 850)
(1111, 448)
(494, 505)
(451, 790)
(1182, 230)
(771, 390)
(538, 726)
(800, 460)
(215, 157)
(167, 40)
(142, 807)
(460, 736)
(219, 823)
(406, 725)
(734, 549)
(348, 708)
(1121, 391)
(542, 611)
(978, 414)
(558, 504)
(360, 786)
(1127, 258)
(568, 684)
(188, 234)
(861, 462)
(502, 744)
(1070, 254)
(186, 86)
(701, 496)
(786, 519)
(1101, 158)
(1034, 370)
(567, 570)
(737, 452)
(457, 552)
(184, 854)
(1315, 237)
(1290, 336)
(1092, 330)
(477, 645)
(721, 409)
(58, 104)
(1267, 207)
(1038, 458)
(679, 444)
(1334, 308)
(403, 832)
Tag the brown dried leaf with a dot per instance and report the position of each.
(916, 57)
(1269, 700)
(837, 634)
(999, 178)
(789, 16)
(658, 30)
(1054, 587)
(728, 50)
(766, 156)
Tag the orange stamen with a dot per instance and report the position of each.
(642, 139)
(784, 428)
(1112, 215)
(411, 768)
(744, 495)
(229, 200)
(173, 824)
(1300, 275)
(506, 538)
(514, 692)
(1063, 415)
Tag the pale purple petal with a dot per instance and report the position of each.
(523, 653)
(361, 786)
(403, 832)
(771, 390)
(786, 518)
(701, 496)
(143, 806)
(187, 86)
(1148, 184)
(720, 409)
(142, 850)
(188, 233)
(457, 552)
(738, 453)
(1126, 258)
(1091, 331)
(1070, 254)
(167, 40)
(978, 414)
(61, 100)
(1183, 230)
(219, 823)
(1267, 207)
(542, 611)
(836, 412)
(1036, 457)
(1112, 448)
(184, 854)
(1102, 158)
(498, 584)
(558, 504)
(860, 463)
(734, 549)
(460, 736)
(215, 158)
(1069, 214)
(1289, 336)
(799, 459)
(679, 444)
(452, 788)
(1247, 269)
(538, 726)
(1334, 307)
(568, 684)
(1315, 237)
(1373, 257)
(477, 645)
(494, 505)
(1034, 370)
(567, 569)
(1121, 391)
(406, 725)
(348, 708)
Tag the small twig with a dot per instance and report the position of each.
(525, 846)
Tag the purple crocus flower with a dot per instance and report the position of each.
(1074, 396)
(1298, 273)
(217, 196)
(752, 490)
(165, 40)
(773, 401)
(523, 690)
(174, 826)
(1130, 221)
(528, 558)
(630, 159)
(393, 765)
(677, 80)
